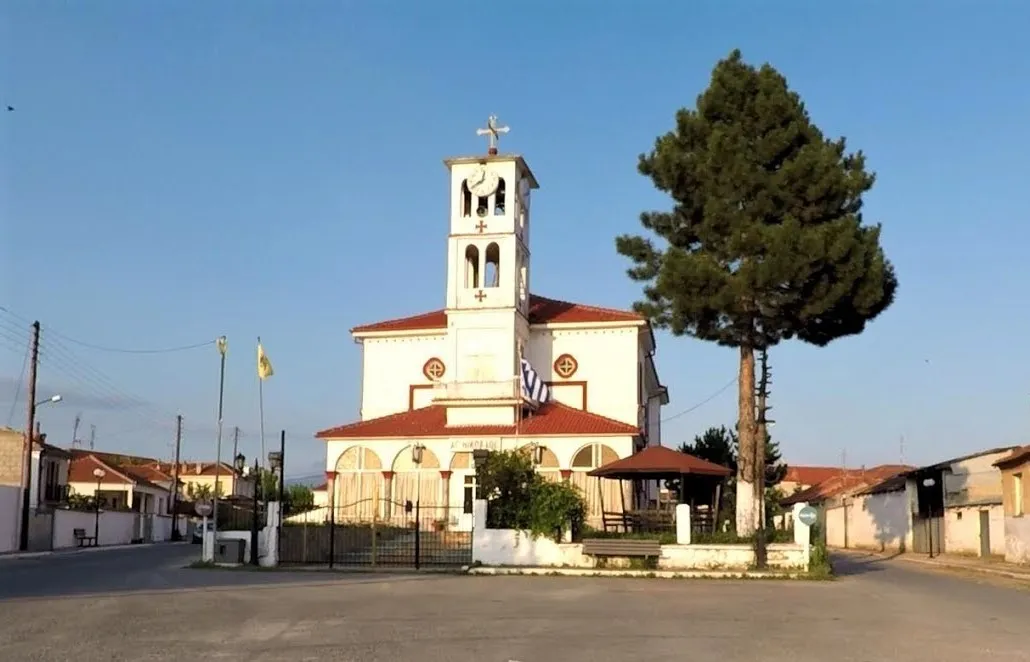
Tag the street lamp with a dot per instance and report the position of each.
(240, 463)
(275, 460)
(51, 400)
(538, 454)
(99, 474)
(416, 454)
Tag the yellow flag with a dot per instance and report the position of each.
(264, 366)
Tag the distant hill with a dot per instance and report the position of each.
(312, 480)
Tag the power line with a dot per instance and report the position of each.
(17, 389)
(713, 396)
(102, 348)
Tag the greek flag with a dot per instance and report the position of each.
(533, 387)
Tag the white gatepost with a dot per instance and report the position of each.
(271, 536)
(683, 524)
(803, 530)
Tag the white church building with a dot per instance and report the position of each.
(498, 368)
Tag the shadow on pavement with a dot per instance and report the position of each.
(849, 566)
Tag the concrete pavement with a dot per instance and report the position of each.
(141, 605)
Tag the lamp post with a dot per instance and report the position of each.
(239, 463)
(223, 346)
(26, 501)
(538, 454)
(99, 474)
(417, 452)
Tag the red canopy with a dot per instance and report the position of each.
(659, 462)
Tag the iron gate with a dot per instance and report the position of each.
(373, 532)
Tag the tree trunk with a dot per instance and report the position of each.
(747, 516)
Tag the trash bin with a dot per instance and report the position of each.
(230, 551)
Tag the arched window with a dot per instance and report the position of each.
(466, 200)
(417, 482)
(472, 267)
(602, 495)
(499, 199)
(493, 266)
(359, 477)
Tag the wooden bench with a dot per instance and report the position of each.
(621, 547)
(82, 539)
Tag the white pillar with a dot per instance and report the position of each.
(207, 543)
(479, 514)
(802, 533)
(270, 559)
(682, 524)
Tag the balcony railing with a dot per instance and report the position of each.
(507, 389)
(55, 493)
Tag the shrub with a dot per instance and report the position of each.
(519, 498)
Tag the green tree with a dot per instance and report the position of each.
(721, 445)
(765, 240)
(520, 498)
(299, 499)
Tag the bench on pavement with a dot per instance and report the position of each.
(621, 547)
(82, 539)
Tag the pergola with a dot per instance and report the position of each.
(699, 481)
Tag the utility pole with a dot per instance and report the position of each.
(75, 431)
(92, 436)
(235, 450)
(761, 433)
(26, 469)
(175, 479)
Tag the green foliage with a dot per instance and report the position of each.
(765, 240)
(519, 498)
(299, 499)
(663, 537)
(819, 565)
(731, 537)
(722, 446)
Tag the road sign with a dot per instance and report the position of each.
(203, 508)
(808, 515)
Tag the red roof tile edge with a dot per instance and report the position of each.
(431, 422)
(543, 310)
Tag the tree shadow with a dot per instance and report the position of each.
(847, 565)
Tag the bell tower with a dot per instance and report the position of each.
(488, 264)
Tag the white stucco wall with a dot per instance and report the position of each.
(974, 481)
(1017, 539)
(390, 366)
(880, 522)
(116, 528)
(962, 529)
(10, 510)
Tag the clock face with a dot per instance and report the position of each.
(483, 182)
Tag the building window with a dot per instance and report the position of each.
(566, 366)
(1017, 495)
(470, 494)
(434, 369)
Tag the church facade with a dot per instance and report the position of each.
(497, 368)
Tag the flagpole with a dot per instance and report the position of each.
(261, 413)
(222, 345)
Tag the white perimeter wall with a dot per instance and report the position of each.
(875, 521)
(1017, 540)
(10, 508)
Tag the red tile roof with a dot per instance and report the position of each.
(80, 470)
(811, 475)
(551, 419)
(659, 461)
(541, 311)
(324, 487)
(849, 481)
(1018, 455)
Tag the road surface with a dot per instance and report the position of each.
(140, 604)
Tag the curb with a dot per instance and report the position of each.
(934, 563)
(650, 574)
(71, 551)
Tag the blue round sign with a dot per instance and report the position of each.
(808, 515)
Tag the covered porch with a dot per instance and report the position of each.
(698, 483)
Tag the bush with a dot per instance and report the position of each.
(519, 498)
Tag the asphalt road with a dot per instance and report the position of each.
(140, 604)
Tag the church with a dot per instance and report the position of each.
(498, 368)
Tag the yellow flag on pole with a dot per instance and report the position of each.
(264, 366)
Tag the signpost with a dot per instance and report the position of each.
(808, 515)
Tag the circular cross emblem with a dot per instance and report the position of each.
(434, 369)
(566, 366)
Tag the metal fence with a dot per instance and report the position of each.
(375, 532)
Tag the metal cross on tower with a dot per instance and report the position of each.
(493, 133)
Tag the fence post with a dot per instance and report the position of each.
(418, 539)
(254, 517)
(332, 530)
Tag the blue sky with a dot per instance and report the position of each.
(274, 169)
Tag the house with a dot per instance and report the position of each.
(48, 482)
(957, 505)
(196, 479)
(1015, 485)
(131, 487)
(847, 515)
(497, 368)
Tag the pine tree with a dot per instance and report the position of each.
(765, 240)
